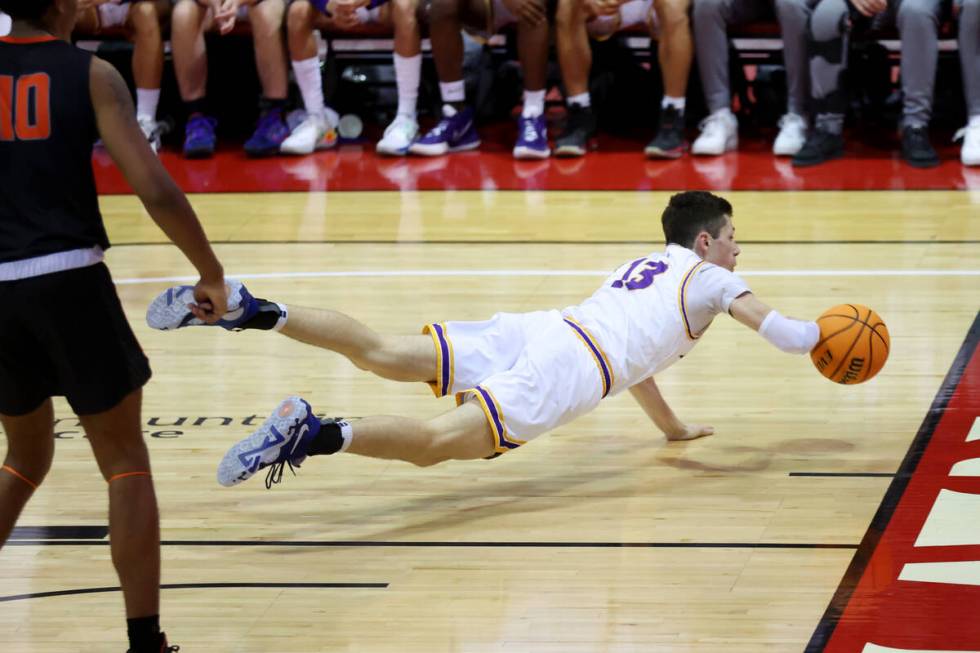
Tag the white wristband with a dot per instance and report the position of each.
(791, 336)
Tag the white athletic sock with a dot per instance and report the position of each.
(408, 72)
(974, 121)
(676, 102)
(347, 433)
(452, 91)
(283, 316)
(533, 103)
(310, 85)
(581, 100)
(147, 100)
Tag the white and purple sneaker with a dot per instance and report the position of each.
(283, 439)
(456, 132)
(169, 309)
(532, 138)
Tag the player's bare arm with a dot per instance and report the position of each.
(647, 394)
(164, 201)
(789, 335)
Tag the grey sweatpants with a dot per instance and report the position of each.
(918, 26)
(969, 46)
(711, 21)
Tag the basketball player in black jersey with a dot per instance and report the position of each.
(62, 328)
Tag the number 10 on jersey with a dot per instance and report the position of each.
(25, 107)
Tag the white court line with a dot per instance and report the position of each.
(548, 273)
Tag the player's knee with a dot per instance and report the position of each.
(442, 10)
(33, 468)
(915, 14)
(569, 14)
(144, 18)
(672, 13)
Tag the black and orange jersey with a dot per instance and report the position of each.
(48, 200)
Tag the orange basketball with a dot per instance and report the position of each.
(853, 344)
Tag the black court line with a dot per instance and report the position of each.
(846, 474)
(60, 533)
(644, 243)
(825, 629)
(185, 586)
(462, 545)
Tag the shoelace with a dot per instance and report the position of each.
(274, 477)
(712, 124)
(269, 120)
(530, 130)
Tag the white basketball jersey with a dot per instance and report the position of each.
(651, 311)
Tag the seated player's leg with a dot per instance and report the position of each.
(575, 60)
(401, 133)
(918, 26)
(532, 49)
(144, 23)
(318, 130)
(189, 21)
(266, 18)
(828, 42)
(794, 16)
(456, 131)
(675, 51)
(968, 41)
(719, 131)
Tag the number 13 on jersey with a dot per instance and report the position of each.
(640, 274)
(25, 107)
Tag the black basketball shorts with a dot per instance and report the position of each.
(65, 334)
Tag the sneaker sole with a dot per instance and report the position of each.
(569, 151)
(429, 150)
(245, 457)
(168, 310)
(391, 151)
(528, 153)
(657, 153)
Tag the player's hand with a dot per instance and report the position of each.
(869, 8)
(532, 11)
(689, 432)
(211, 300)
(225, 14)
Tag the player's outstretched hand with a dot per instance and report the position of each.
(211, 300)
(690, 432)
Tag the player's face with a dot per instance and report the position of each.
(723, 250)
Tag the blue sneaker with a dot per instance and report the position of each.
(271, 131)
(454, 133)
(532, 138)
(169, 309)
(283, 439)
(199, 136)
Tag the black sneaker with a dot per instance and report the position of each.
(579, 128)
(916, 149)
(820, 146)
(164, 647)
(669, 142)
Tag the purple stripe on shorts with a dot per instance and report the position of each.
(444, 347)
(496, 417)
(606, 378)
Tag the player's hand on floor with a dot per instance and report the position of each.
(690, 432)
(211, 300)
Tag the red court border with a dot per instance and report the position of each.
(871, 605)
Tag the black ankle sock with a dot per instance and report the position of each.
(328, 440)
(268, 104)
(200, 105)
(144, 633)
(267, 317)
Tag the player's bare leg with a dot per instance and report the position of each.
(292, 433)
(134, 524)
(30, 448)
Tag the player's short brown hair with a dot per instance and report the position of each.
(691, 212)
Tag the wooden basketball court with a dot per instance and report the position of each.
(598, 537)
